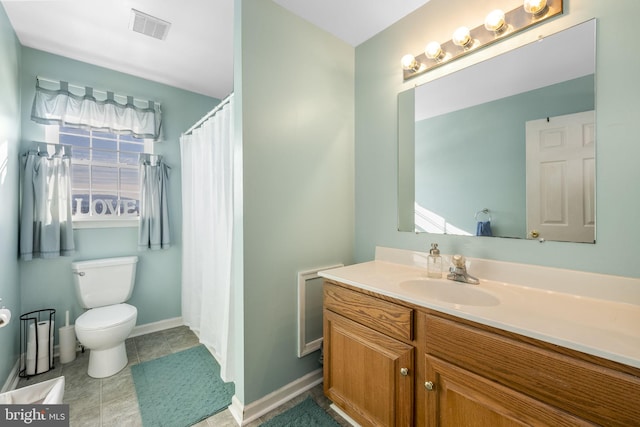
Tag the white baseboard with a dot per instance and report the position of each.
(236, 409)
(253, 411)
(12, 380)
(344, 415)
(160, 325)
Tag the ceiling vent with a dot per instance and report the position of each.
(148, 25)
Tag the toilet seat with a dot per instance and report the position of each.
(106, 317)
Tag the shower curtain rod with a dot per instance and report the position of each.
(209, 114)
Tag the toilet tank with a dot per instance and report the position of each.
(101, 282)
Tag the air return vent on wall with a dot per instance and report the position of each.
(148, 25)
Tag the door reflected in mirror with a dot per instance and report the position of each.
(506, 147)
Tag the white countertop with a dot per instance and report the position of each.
(607, 328)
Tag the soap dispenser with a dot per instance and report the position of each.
(434, 262)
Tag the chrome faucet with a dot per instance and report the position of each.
(458, 271)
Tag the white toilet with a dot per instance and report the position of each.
(103, 286)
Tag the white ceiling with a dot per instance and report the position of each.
(197, 54)
(353, 21)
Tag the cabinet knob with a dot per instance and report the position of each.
(429, 385)
(404, 372)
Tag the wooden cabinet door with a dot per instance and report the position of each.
(460, 398)
(367, 374)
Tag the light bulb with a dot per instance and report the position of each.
(434, 51)
(409, 62)
(535, 7)
(462, 37)
(495, 21)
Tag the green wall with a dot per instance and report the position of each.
(379, 80)
(296, 88)
(301, 200)
(9, 176)
(157, 292)
(454, 155)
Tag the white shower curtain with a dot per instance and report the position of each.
(207, 223)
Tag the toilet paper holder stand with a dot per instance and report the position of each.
(37, 340)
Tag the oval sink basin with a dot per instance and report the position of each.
(450, 291)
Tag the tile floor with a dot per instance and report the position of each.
(113, 402)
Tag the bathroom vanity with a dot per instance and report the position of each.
(402, 349)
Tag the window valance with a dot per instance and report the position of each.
(61, 107)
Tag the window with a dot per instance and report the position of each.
(104, 173)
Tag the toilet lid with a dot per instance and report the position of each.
(106, 317)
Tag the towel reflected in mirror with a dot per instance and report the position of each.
(484, 228)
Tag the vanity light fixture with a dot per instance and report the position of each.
(462, 37)
(434, 51)
(409, 63)
(535, 7)
(495, 21)
(497, 26)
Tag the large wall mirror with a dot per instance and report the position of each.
(506, 147)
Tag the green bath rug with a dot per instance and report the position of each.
(180, 389)
(304, 414)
